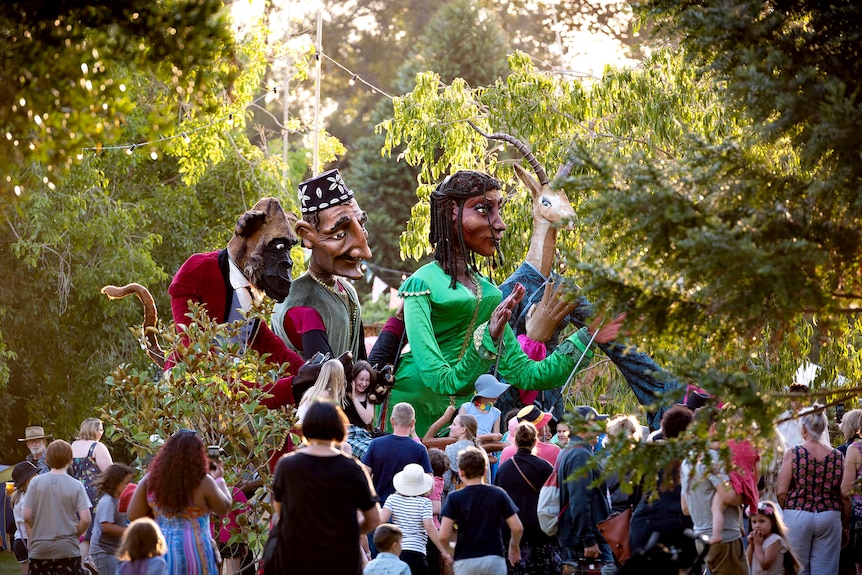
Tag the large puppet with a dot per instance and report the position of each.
(457, 325)
(322, 312)
(552, 210)
(256, 261)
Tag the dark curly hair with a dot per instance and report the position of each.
(444, 234)
(177, 470)
(111, 478)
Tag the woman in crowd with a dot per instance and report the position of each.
(359, 411)
(324, 501)
(455, 320)
(850, 427)
(179, 493)
(627, 429)
(522, 476)
(57, 510)
(330, 386)
(90, 457)
(809, 489)
(664, 514)
(21, 475)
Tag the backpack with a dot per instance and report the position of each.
(548, 508)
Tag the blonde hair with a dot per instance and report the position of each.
(471, 427)
(620, 426)
(331, 384)
(851, 425)
(141, 540)
(90, 429)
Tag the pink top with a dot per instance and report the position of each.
(437, 495)
(546, 451)
(743, 477)
(231, 523)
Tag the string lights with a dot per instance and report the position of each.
(185, 135)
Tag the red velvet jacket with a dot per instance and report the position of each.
(205, 279)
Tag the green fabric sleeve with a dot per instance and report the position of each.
(437, 374)
(553, 371)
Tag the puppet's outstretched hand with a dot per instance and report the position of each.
(544, 318)
(609, 331)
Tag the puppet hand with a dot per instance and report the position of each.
(346, 360)
(609, 331)
(544, 319)
(501, 315)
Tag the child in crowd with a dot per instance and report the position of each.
(463, 430)
(331, 385)
(439, 465)
(109, 523)
(488, 389)
(21, 475)
(411, 510)
(768, 553)
(479, 511)
(561, 437)
(387, 540)
(142, 548)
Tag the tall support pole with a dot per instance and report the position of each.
(285, 105)
(315, 168)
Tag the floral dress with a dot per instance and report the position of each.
(190, 547)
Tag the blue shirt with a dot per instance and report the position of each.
(386, 564)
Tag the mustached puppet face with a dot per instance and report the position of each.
(339, 244)
(260, 247)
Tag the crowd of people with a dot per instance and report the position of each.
(409, 506)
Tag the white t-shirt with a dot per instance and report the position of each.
(777, 567)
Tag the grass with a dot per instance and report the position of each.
(8, 565)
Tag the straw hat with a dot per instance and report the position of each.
(534, 415)
(35, 432)
(412, 480)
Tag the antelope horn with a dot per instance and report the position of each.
(521, 147)
(564, 170)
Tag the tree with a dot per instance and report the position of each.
(388, 199)
(718, 203)
(116, 217)
(67, 66)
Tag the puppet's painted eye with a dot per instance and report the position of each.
(279, 246)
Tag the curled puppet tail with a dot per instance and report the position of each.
(155, 351)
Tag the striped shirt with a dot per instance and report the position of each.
(408, 513)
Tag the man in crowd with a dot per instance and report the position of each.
(584, 504)
(37, 443)
(702, 479)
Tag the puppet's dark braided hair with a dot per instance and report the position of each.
(453, 191)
